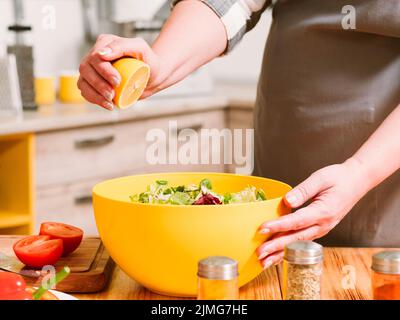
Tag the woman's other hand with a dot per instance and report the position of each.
(332, 192)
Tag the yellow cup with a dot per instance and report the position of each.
(45, 91)
(69, 91)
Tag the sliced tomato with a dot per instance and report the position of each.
(70, 235)
(38, 251)
(13, 287)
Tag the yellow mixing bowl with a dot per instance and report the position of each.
(159, 245)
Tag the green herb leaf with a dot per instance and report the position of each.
(179, 189)
(206, 183)
(144, 197)
(134, 198)
(162, 182)
(167, 191)
(261, 195)
(227, 198)
(61, 275)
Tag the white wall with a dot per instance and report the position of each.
(55, 48)
(60, 48)
(128, 10)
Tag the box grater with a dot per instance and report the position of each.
(24, 58)
(10, 96)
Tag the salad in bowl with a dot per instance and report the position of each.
(160, 192)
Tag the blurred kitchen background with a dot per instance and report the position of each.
(57, 147)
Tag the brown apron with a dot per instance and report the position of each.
(322, 92)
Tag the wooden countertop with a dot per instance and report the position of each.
(346, 277)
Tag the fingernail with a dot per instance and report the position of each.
(265, 231)
(267, 264)
(291, 199)
(115, 81)
(108, 95)
(263, 255)
(105, 51)
(108, 105)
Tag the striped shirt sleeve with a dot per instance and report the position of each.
(238, 16)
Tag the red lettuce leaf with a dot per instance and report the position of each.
(207, 199)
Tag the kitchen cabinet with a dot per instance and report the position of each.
(239, 117)
(69, 202)
(82, 153)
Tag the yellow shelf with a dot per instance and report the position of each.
(12, 220)
(16, 184)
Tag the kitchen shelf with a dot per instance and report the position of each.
(13, 220)
(16, 184)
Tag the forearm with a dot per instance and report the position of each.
(192, 36)
(379, 156)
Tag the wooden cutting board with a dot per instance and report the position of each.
(91, 266)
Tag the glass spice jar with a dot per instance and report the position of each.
(218, 279)
(302, 271)
(385, 276)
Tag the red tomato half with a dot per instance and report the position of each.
(38, 251)
(70, 235)
(13, 287)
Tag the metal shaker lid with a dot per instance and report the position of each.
(386, 262)
(218, 268)
(304, 252)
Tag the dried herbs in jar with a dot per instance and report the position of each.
(302, 271)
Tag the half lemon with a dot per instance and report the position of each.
(134, 77)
